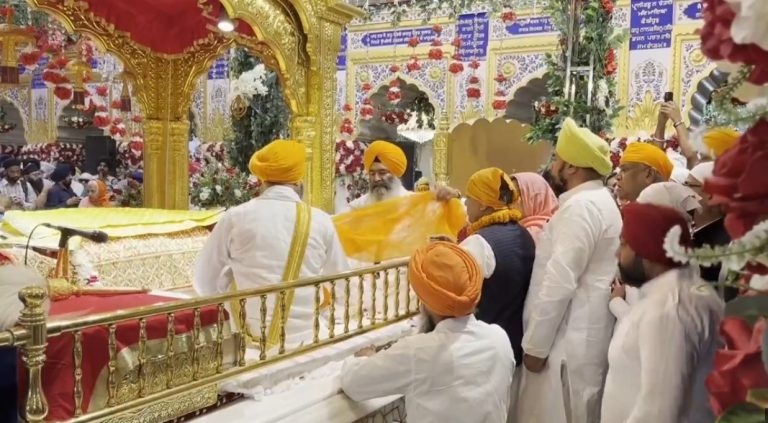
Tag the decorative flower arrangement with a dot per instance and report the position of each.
(218, 185)
(508, 17)
(413, 64)
(393, 93)
(500, 96)
(735, 31)
(54, 152)
(249, 84)
(598, 42)
(366, 109)
(436, 52)
(350, 171)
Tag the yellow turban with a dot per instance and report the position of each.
(388, 154)
(649, 155)
(581, 148)
(719, 140)
(446, 279)
(485, 187)
(281, 161)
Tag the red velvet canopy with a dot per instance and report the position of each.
(164, 26)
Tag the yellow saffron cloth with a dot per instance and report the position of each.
(281, 161)
(719, 140)
(396, 228)
(116, 222)
(649, 155)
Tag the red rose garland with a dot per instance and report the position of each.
(393, 94)
(456, 66)
(366, 109)
(413, 65)
(500, 96)
(508, 17)
(436, 52)
(610, 63)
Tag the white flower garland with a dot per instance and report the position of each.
(752, 248)
(249, 84)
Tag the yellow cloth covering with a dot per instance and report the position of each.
(281, 161)
(388, 154)
(581, 148)
(719, 140)
(396, 228)
(484, 186)
(116, 222)
(649, 155)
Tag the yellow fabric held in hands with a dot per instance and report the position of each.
(396, 228)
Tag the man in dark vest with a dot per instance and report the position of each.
(502, 247)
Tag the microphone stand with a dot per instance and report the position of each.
(62, 259)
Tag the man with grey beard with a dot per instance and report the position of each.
(386, 164)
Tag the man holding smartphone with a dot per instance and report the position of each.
(670, 111)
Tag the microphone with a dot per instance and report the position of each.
(95, 236)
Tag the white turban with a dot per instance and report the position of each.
(672, 195)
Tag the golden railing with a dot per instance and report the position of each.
(209, 366)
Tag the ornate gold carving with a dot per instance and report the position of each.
(364, 77)
(697, 58)
(170, 408)
(77, 356)
(238, 107)
(509, 69)
(643, 116)
(304, 129)
(33, 352)
(439, 159)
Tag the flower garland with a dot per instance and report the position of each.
(598, 42)
(751, 249)
(499, 217)
(350, 171)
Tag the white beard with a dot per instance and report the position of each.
(15, 277)
(382, 194)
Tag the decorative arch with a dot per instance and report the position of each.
(520, 103)
(18, 103)
(698, 100)
(409, 80)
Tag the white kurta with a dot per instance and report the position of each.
(662, 353)
(364, 201)
(566, 312)
(460, 372)
(250, 245)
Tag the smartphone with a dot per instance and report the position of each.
(668, 97)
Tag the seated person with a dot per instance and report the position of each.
(98, 195)
(461, 369)
(61, 194)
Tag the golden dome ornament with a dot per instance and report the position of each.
(238, 107)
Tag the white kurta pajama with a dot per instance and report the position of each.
(662, 352)
(459, 373)
(250, 246)
(566, 311)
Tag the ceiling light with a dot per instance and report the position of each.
(225, 24)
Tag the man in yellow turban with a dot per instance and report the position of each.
(385, 163)
(720, 140)
(461, 369)
(568, 325)
(642, 164)
(273, 238)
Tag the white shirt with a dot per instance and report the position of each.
(17, 190)
(459, 373)
(250, 245)
(566, 314)
(662, 353)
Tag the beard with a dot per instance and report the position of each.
(556, 182)
(633, 275)
(427, 324)
(12, 179)
(37, 185)
(382, 190)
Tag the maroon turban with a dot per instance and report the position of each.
(646, 225)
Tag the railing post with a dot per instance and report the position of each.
(33, 351)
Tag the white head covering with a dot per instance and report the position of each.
(702, 171)
(85, 176)
(672, 195)
(47, 168)
(679, 174)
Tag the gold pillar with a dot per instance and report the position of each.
(166, 164)
(33, 352)
(304, 129)
(440, 149)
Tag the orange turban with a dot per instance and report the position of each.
(649, 155)
(719, 140)
(446, 279)
(388, 154)
(281, 161)
(485, 187)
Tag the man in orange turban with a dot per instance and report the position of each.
(461, 369)
(271, 239)
(385, 163)
(642, 164)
